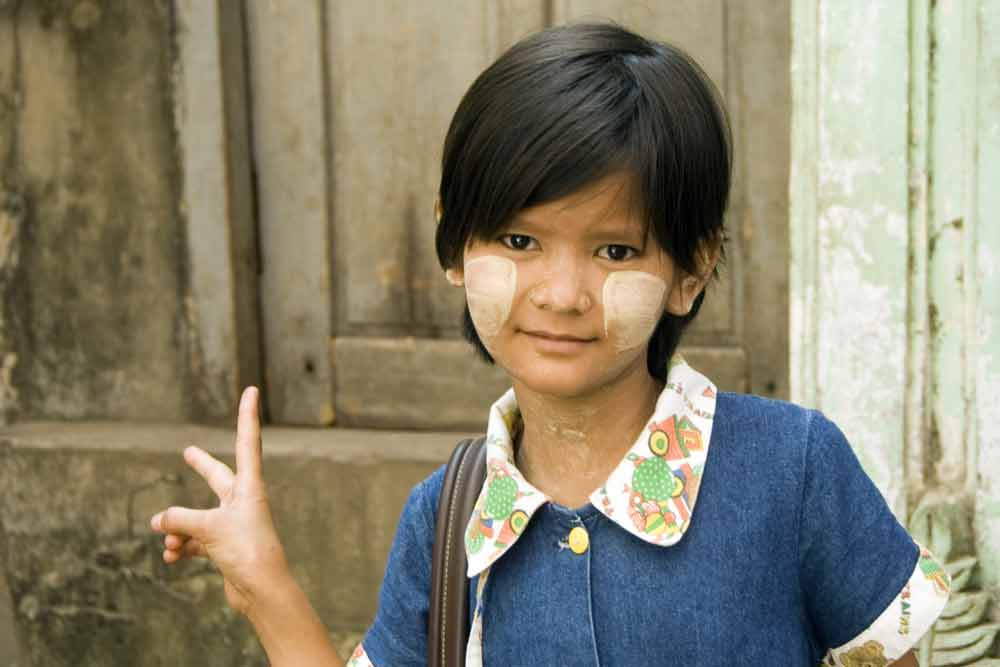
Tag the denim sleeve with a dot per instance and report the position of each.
(398, 637)
(854, 556)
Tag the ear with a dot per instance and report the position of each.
(682, 295)
(455, 276)
(687, 288)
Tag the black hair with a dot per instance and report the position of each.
(565, 107)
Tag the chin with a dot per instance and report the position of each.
(554, 385)
(563, 377)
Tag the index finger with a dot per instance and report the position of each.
(248, 438)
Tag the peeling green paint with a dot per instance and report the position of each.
(850, 193)
(986, 339)
(908, 93)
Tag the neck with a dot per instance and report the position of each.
(569, 446)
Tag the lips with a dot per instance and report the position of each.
(549, 335)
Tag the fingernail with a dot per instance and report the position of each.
(248, 396)
(154, 523)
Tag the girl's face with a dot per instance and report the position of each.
(567, 297)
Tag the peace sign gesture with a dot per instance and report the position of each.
(238, 535)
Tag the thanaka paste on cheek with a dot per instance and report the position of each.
(489, 288)
(633, 303)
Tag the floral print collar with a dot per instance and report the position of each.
(651, 493)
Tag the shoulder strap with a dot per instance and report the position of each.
(448, 622)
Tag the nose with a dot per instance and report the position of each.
(562, 289)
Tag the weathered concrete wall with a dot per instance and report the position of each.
(12, 211)
(85, 573)
(123, 164)
(94, 308)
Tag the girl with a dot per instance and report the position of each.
(631, 514)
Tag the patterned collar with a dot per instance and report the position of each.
(651, 493)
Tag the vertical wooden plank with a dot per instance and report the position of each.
(713, 35)
(289, 130)
(398, 70)
(863, 204)
(240, 196)
(757, 60)
(986, 341)
(916, 416)
(201, 128)
(858, 302)
(952, 96)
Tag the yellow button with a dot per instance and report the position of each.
(579, 540)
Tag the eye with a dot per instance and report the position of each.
(616, 252)
(518, 241)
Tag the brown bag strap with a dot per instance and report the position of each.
(448, 623)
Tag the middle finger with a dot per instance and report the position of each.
(174, 541)
(216, 473)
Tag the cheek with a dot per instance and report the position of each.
(490, 282)
(633, 303)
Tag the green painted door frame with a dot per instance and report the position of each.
(895, 244)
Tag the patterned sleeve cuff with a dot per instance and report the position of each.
(904, 621)
(359, 658)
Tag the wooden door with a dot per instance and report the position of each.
(351, 101)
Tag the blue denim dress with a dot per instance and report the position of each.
(791, 551)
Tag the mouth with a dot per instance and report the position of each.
(559, 337)
(555, 344)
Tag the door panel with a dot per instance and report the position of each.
(392, 75)
(287, 79)
(413, 383)
(396, 75)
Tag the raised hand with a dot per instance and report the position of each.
(238, 535)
